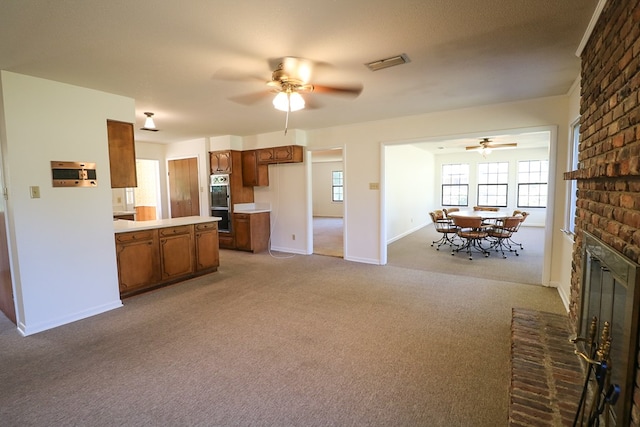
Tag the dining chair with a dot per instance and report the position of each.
(472, 233)
(445, 227)
(522, 215)
(447, 211)
(502, 232)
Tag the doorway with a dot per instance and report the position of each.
(147, 193)
(184, 196)
(328, 202)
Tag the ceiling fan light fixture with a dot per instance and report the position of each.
(484, 151)
(149, 124)
(388, 62)
(288, 101)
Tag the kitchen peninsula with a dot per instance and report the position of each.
(160, 252)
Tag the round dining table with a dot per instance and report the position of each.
(479, 214)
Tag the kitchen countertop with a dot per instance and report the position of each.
(251, 208)
(123, 225)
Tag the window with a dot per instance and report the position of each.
(493, 184)
(573, 195)
(455, 185)
(532, 183)
(337, 186)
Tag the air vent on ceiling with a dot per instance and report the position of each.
(388, 62)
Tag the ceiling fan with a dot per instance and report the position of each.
(289, 80)
(486, 145)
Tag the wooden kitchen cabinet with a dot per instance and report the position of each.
(254, 174)
(252, 231)
(220, 162)
(176, 251)
(138, 260)
(283, 154)
(206, 246)
(122, 154)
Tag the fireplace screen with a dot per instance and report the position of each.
(610, 292)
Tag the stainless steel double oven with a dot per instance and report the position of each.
(221, 201)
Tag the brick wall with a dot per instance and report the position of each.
(608, 177)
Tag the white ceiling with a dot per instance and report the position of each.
(169, 55)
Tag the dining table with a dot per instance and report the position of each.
(485, 215)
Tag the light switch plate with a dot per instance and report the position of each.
(35, 191)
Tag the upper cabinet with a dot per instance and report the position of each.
(122, 154)
(220, 162)
(254, 174)
(283, 154)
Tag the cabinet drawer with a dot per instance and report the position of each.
(135, 236)
(173, 231)
(207, 226)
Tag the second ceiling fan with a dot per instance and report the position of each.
(486, 145)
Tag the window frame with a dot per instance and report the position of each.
(501, 185)
(458, 181)
(532, 184)
(335, 186)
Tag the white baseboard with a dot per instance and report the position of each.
(26, 330)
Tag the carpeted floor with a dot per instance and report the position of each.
(328, 235)
(415, 251)
(303, 340)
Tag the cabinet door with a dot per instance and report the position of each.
(207, 246)
(176, 252)
(253, 174)
(242, 224)
(122, 154)
(220, 162)
(283, 154)
(138, 260)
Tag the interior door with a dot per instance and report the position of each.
(184, 193)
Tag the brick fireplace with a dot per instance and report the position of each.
(608, 176)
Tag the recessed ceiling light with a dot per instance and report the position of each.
(388, 62)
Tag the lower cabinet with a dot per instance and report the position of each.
(176, 251)
(138, 260)
(252, 231)
(207, 253)
(151, 258)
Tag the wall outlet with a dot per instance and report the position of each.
(374, 186)
(293, 237)
(119, 200)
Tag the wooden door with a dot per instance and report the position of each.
(183, 187)
(7, 305)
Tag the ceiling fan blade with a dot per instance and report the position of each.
(353, 91)
(511, 144)
(230, 74)
(251, 98)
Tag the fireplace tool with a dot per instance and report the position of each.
(598, 366)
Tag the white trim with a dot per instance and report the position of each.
(590, 27)
(43, 326)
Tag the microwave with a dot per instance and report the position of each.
(73, 174)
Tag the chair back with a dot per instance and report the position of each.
(449, 210)
(436, 215)
(511, 223)
(467, 221)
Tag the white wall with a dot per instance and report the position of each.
(409, 190)
(322, 184)
(563, 243)
(61, 244)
